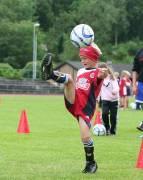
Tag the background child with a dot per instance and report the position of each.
(110, 97)
(80, 97)
(128, 84)
(117, 76)
(123, 89)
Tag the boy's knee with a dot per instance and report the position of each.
(86, 139)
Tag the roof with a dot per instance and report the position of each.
(74, 64)
(121, 67)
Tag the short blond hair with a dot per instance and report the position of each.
(116, 74)
(125, 72)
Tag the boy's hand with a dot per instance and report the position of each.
(103, 73)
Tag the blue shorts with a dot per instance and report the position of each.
(139, 96)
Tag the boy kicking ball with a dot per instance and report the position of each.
(80, 96)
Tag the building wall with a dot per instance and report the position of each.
(69, 70)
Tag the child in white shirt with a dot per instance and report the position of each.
(110, 98)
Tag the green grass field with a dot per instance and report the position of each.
(53, 151)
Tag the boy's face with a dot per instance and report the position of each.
(87, 63)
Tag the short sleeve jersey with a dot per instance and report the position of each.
(123, 87)
(88, 86)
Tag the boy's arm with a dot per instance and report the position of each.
(134, 82)
(103, 73)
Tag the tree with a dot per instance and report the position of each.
(16, 10)
(44, 14)
(135, 16)
(114, 23)
(120, 26)
(16, 43)
(97, 15)
(60, 6)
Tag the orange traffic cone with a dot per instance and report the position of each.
(23, 126)
(140, 157)
(98, 119)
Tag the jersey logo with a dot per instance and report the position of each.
(92, 75)
(82, 83)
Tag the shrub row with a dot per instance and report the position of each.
(9, 72)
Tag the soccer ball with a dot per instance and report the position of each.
(99, 130)
(133, 105)
(82, 35)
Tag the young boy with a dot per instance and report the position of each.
(80, 97)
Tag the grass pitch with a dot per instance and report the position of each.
(53, 151)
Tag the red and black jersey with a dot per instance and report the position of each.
(87, 89)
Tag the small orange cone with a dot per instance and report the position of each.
(98, 119)
(23, 126)
(140, 157)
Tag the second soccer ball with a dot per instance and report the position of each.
(99, 130)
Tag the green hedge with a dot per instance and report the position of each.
(8, 72)
(27, 71)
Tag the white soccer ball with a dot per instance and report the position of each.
(99, 130)
(133, 105)
(82, 35)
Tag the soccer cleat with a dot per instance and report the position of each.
(108, 132)
(47, 67)
(140, 127)
(90, 167)
(112, 133)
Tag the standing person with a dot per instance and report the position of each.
(137, 78)
(80, 97)
(110, 97)
(117, 76)
(123, 89)
(128, 84)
